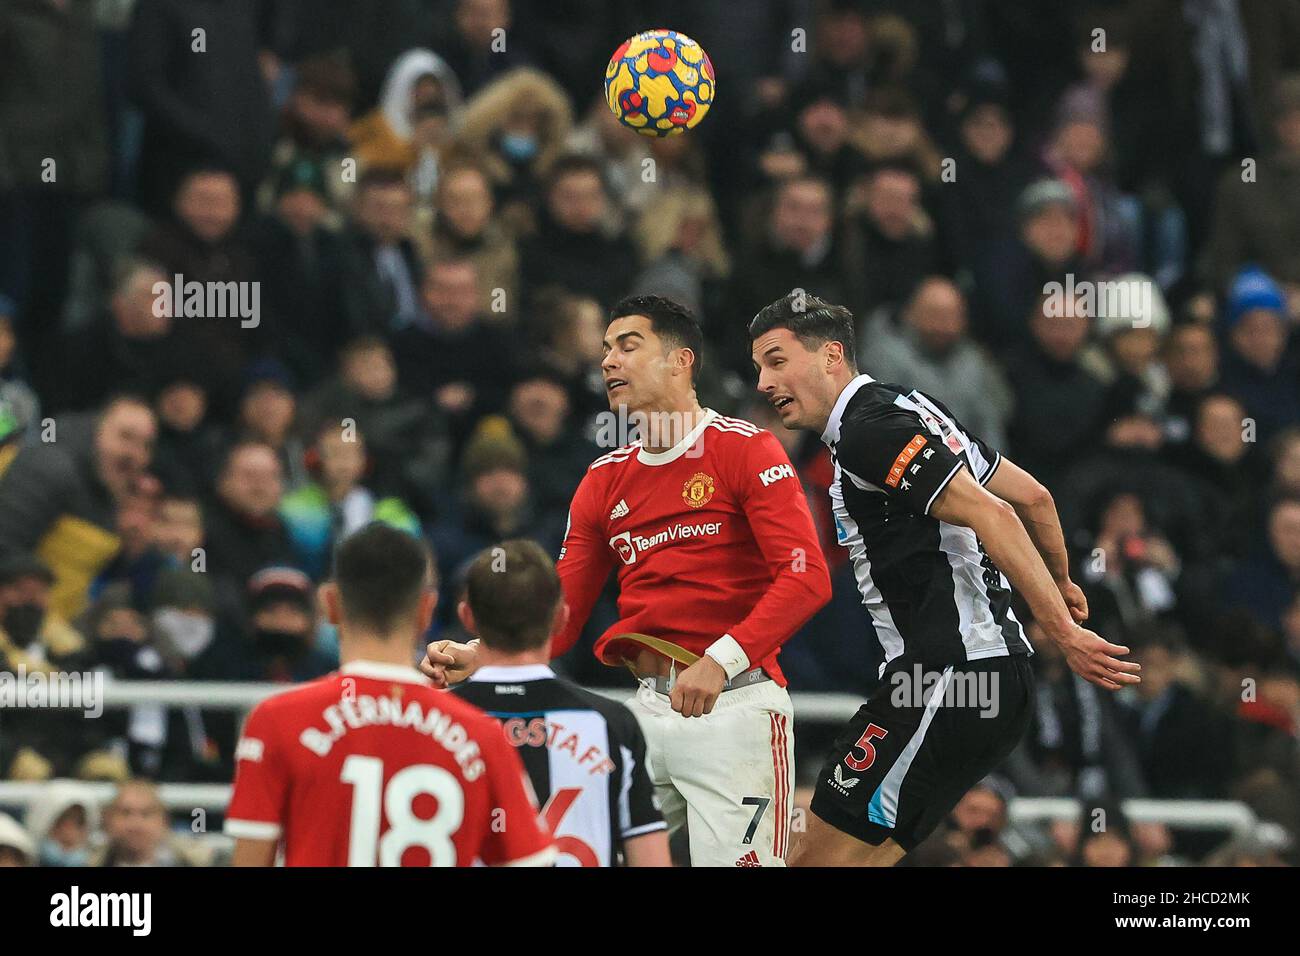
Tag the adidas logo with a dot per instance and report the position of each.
(749, 859)
(620, 510)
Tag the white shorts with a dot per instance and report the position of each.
(727, 776)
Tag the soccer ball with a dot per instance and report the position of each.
(659, 83)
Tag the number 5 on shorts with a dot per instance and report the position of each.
(762, 803)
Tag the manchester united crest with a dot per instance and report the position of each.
(698, 490)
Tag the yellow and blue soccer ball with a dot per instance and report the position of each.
(659, 83)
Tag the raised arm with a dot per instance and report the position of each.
(964, 502)
(1037, 512)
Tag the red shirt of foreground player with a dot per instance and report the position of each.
(371, 766)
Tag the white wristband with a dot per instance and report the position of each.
(729, 655)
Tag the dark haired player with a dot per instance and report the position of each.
(584, 754)
(718, 564)
(370, 766)
(935, 522)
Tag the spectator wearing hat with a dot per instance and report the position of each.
(496, 504)
(60, 499)
(337, 501)
(1259, 220)
(244, 530)
(1131, 323)
(1047, 251)
(283, 619)
(16, 845)
(314, 133)
(1256, 365)
(62, 821)
(189, 446)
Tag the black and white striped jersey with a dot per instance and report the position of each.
(934, 595)
(584, 754)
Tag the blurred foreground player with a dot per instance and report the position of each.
(932, 518)
(584, 753)
(370, 766)
(718, 562)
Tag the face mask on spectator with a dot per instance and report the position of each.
(55, 854)
(187, 633)
(518, 147)
(23, 623)
(278, 643)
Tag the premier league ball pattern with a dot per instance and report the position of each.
(659, 83)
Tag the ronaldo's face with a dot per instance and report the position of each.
(636, 365)
(790, 377)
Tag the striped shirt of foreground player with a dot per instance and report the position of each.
(584, 754)
(370, 765)
(706, 525)
(932, 518)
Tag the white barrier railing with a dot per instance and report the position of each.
(816, 708)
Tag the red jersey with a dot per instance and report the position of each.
(711, 538)
(371, 766)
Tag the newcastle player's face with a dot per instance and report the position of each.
(792, 378)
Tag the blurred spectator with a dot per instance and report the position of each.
(60, 498)
(186, 454)
(36, 639)
(136, 346)
(409, 129)
(335, 502)
(680, 241)
(301, 262)
(314, 132)
(572, 235)
(212, 107)
(932, 351)
(1256, 366)
(407, 437)
(517, 125)
(1048, 250)
(62, 823)
(1265, 583)
(16, 845)
(1257, 219)
(451, 355)
(1058, 403)
(472, 41)
(558, 455)
(268, 410)
(465, 229)
(244, 530)
(1219, 460)
(568, 331)
(1132, 325)
(893, 243)
(283, 615)
(382, 268)
(21, 404)
(135, 829)
(1192, 362)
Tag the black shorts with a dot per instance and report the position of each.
(919, 743)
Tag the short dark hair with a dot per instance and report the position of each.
(573, 163)
(380, 573)
(813, 321)
(671, 321)
(513, 590)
